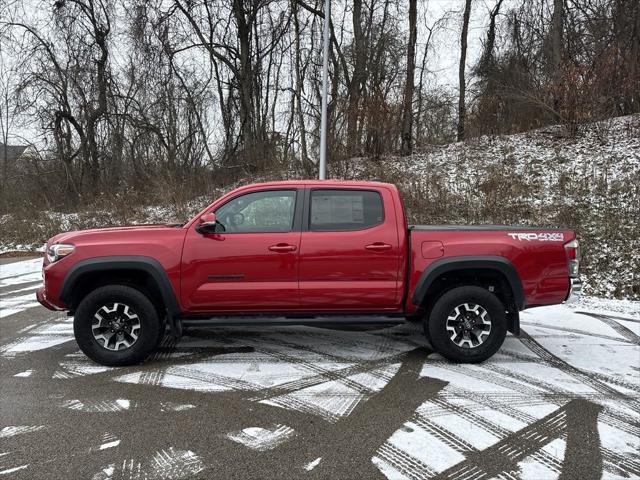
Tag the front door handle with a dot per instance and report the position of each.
(283, 248)
(378, 247)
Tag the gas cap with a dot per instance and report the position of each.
(432, 249)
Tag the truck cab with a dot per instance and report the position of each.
(298, 247)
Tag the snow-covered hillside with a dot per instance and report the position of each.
(589, 181)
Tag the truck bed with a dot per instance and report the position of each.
(480, 227)
(536, 253)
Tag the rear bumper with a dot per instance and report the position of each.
(42, 299)
(575, 290)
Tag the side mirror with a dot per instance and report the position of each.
(207, 223)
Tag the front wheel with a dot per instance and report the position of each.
(116, 325)
(467, 324)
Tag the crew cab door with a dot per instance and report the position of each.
(349, 251)
(251, 262)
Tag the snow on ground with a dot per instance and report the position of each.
(18, 430)
(628, 308)
(535, 384)
(6, 247)
(101, 406)
(261, 439)
(21, 272)
(22, 279)
(52, 333)
(574, 373)
(170, 463)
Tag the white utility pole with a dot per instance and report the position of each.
(325, 80)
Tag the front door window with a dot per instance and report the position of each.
(258, 212)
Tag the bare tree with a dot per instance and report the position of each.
(8, 116)
(300, 69)
(172, 96)
(462, 110)
(243, 43)
(407, 107)
(485, 70)
(557, 26)
(356, 83)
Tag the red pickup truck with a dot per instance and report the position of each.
(305, 252)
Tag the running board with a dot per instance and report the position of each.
(308, 321)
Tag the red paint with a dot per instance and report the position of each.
(258, 277)
(311, 271)
(340, 271)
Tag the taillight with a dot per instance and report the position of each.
(573, 256)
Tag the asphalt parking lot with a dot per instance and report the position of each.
(561, 401)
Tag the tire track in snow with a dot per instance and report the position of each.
(530, 392)
(166, 464)
(581, 376)
(262, 439)
(328, 374)
(55, 331)
(526, 394)
(15, 297)
(506, 453)
(576, 331)
(628, 334)
(12, 431)
(319, 378)
(508, 406)
(498, 431)
(400, 460)
(616, 317)
(97, 406)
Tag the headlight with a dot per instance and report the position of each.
(59, 250)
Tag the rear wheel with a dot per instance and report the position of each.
(117, 325)
(467, 324)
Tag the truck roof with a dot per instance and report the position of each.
(349, 183)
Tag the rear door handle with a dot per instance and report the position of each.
(283, 248)
(378, 247)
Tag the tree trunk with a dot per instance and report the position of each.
(462, 109)
(488, 59)
(486, 71)
(556, 52)
(298, 88)
(357, 80)
(245, 80)
(407, 107)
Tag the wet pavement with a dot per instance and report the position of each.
(561, 401)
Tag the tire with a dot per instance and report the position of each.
(475, 318)
(136, 331)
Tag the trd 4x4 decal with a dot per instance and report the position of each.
(541, 237)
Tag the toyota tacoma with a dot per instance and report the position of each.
(305, 252)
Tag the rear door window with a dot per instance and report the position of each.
(337, 210)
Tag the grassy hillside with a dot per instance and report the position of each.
(589, 181)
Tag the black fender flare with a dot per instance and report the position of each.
(439, 267)
(142, 263)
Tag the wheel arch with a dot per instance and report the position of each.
(447, 273)
(91, 273)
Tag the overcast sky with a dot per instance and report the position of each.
(447, 52)
(442, 61)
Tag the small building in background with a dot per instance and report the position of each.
(13, 153)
